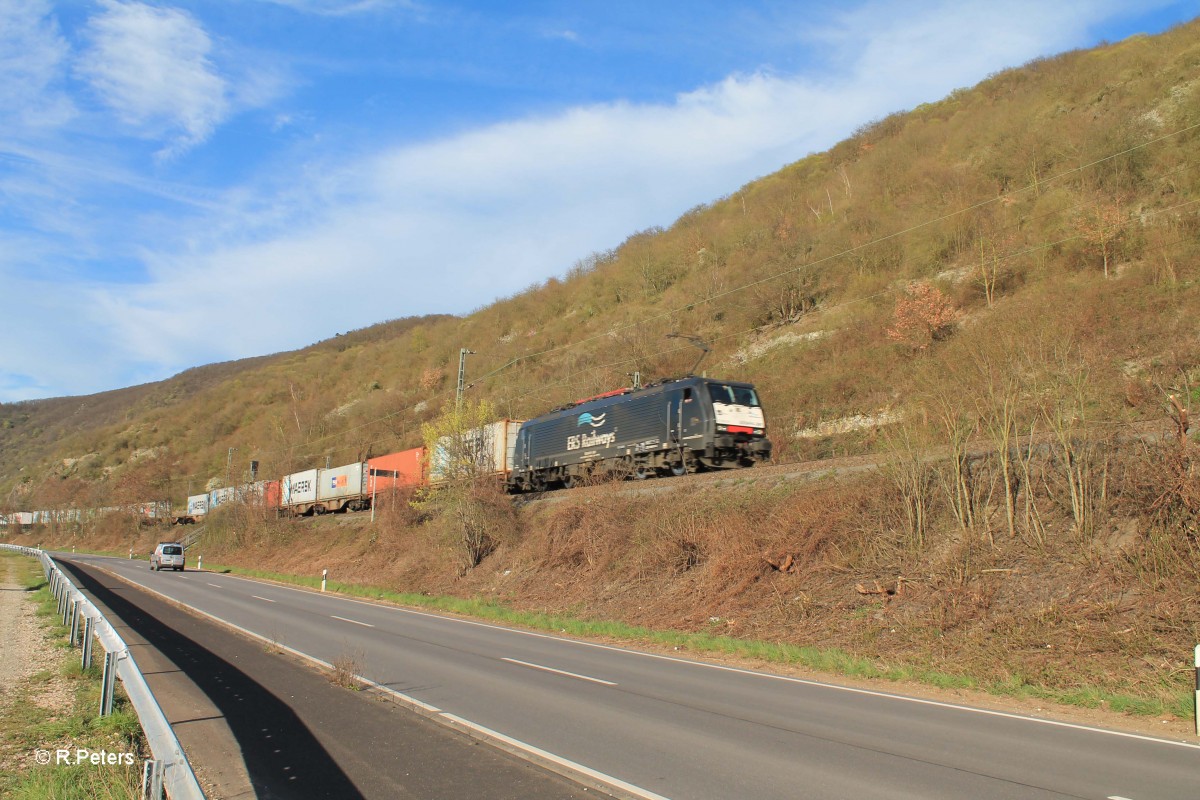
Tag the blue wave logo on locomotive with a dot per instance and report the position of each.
(587, 419)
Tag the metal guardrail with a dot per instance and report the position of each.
(172, 772)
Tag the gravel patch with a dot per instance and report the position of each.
(25, 650)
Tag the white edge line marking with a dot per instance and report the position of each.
(215, 585)
(352, 621)
(600, 776)
(767, 675)
(1117, 797)
(558, 671)
(573, 768)
(267, 599)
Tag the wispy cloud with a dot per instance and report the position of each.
(566, 35)
(342, 8)
(33, 59)
(151, 66)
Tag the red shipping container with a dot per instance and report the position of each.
(406, 468)
(271, 494)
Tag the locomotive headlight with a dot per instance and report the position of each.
(722, 428)
(758, 430)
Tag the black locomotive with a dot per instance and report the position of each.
(674, 427)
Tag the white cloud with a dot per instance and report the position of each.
(33, 56)
(151, 66)
(566, 35)
(342, 8)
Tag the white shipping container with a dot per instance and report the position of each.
(489, 449)
(226, 494)
(347, 481)
(197, 505)
(299, 487)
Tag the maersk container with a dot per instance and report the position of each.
(197, 505)
(299, 487)
(480, 451)
(339, 482)
(406, 468)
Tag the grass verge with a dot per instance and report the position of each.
(55, 711)
(828, 660)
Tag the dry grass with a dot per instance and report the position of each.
(346, 669)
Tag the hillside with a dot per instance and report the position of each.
(1053, 206)
(1017, 263)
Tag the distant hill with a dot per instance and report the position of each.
(1025, 250)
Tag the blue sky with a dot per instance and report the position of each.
(189, 182)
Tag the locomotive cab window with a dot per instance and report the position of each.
(733, 395)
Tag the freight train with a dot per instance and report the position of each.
(673, 427)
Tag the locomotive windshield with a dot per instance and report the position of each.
(733, 395)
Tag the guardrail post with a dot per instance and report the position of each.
(68, 604)
(74, 622)
(152, 780)
(108, 684)
(89, 632)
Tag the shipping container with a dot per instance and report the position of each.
(342, 483)
(406, 468)
(271, 494)
(226, 494)
(480, 451)
(197, 505)
(299, 488)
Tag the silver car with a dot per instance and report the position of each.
(167, 555)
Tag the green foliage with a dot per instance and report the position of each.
(470, 510)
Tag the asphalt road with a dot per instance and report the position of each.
(683, 729)
(256, 723)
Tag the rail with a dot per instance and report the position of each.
(172, 771)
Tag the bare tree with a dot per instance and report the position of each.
(467, 496)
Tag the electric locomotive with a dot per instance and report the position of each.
(669, 428)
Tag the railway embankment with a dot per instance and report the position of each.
(1082, 591)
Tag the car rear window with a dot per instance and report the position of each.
(173, 550)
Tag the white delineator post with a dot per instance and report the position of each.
(1197, 690)
(325, 574)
